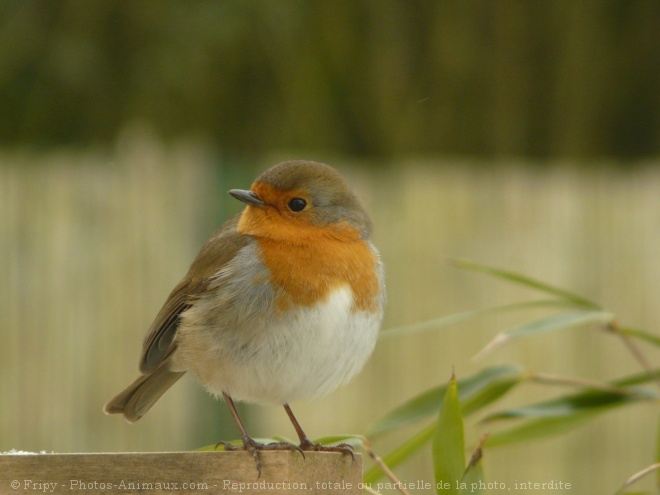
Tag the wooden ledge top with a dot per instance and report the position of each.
(157, 473)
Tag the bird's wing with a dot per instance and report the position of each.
(218, 251)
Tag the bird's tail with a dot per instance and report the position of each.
(136, 399)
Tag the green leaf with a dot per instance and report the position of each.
(487, 386)
(217, 447)
(561, 321)
(587, 400)
(526, 281)
(572, 404)
(475, 392)
(467, 315)
(641, 335)
(636, 379)
(568, 412)
(473, 480)
(354, 440)
(534, 429)
(448, 442)
(402, 453)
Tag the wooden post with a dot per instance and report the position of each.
(283, 473)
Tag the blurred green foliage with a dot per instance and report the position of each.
(371, 77)
(535, 421)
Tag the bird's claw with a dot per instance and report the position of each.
(254, 447)
(342, 448)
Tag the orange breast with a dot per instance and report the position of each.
(307, 262)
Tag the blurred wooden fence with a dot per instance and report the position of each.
(92, 243)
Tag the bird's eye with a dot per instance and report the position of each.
(297, 204)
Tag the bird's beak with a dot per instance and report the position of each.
(247, 197)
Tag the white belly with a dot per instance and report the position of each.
(306, 354)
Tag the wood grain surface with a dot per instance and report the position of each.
(181, 473)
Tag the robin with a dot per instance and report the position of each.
(284, 302)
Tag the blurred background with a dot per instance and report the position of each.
(520, 134)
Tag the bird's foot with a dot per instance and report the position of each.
(343, 448)
(253, 447)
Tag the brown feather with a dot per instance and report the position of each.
(136, 399)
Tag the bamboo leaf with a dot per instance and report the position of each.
(402, 453)
(536, 427)
(467, 315)
(475, 392)
(641, 335)
(562, 321)
(636, 379)
(355, 441)
(573, 404)
(448, 442)
(219, 447)
(539, 428)
(526, 281)
(566, 413)
(473, 481)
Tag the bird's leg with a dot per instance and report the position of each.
(249, 443)
(306, 443)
